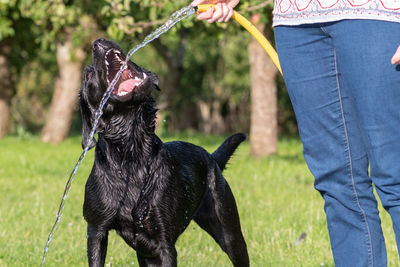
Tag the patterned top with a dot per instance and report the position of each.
(296, 12)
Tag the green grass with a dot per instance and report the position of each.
(275, 197)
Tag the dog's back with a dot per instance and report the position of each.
(221, 155)
(193, 162)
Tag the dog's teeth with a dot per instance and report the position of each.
(123, 93)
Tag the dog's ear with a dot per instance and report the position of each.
(86, 124)
(86, 112)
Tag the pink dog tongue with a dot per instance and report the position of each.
(127, 85)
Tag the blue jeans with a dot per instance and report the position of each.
(346, 96)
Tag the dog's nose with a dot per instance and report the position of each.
(98, 44)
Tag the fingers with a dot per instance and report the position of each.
(229, 14)
(218, 14)
(197, 2)
(233, 3)
(206, 15)
(225, 11)
(396, 57)
(221, 13)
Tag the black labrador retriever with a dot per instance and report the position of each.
(147, 190)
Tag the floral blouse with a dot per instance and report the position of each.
(296, 12)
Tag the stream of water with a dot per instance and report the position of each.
(175, 18)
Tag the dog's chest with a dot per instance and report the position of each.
(110, 200)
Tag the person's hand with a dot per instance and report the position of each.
(396, 57)
(223, 10)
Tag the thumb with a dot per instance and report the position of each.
(233, 3)
(197, 2)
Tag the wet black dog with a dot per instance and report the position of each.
(146, 190)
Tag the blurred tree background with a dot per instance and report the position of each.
(214, 77)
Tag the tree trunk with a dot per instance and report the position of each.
(263, 125)
(67, 84)
(211, 120)
(6, 88)
(205, 115)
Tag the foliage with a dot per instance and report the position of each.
(275, 198)
(7, 9)
(16, 32)
(33, 94)
(259, 7)
(58, 18)
(133, 17)
(215, 66)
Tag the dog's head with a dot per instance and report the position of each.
(133, 87)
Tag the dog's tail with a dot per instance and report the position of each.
(225, 151)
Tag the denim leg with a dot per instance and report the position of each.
(364, 50)
(334, 152)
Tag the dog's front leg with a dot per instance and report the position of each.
(96, 246)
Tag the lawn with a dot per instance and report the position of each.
(275, 196)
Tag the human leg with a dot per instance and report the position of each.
(364, 50)
(333, 150)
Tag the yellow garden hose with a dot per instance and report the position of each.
(254, 31)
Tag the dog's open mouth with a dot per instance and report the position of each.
(130, 78)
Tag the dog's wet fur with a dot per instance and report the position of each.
(147, 190)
